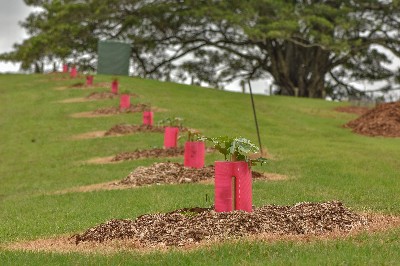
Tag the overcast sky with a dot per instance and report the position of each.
(11, 13)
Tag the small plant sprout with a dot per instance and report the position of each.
(171, 121)
(236, 149)
(193, 135)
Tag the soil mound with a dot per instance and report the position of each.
(151, 153)
(123, 129)
(171, 173)
(383, 120)
(106, 95)
(140, 107)
(192, 225)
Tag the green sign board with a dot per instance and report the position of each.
(113, 58)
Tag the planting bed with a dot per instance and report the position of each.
(193, 225)
(150, 153)
(360, 110)
(383, 120)
(172, 173)
(139, 107)
(122, 129)
(106, 95)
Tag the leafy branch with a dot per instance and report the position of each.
(236, 149)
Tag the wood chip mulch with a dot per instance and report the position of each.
(383, 120)
(150, 153)
(123, 129)
(193, 225)
(171, 173)
(106, 95)
(359, 110)
(140, 107)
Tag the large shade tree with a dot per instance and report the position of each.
(310, 47)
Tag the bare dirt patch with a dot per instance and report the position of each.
(89, 135)
(191, 228)
(383, 120)
(359, 110)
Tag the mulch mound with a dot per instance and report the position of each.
(359, 110)
(122, 129)
(150, 153)
(140, 107)
(193, 225)
(171, 173)
(106, 95)
(383, 120)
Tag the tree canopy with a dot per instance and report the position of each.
(311, 48)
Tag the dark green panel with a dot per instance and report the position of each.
(113, 58)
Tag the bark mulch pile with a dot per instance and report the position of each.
(171, 173)
(150, 153)
(122, 129)
(193, 225)
(139, 107)
(383, 120)
(106, 95)
(359, 110)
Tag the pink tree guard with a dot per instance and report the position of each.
(125, 101)
(74, 72)
(223, 186)
(148, 118)
(171, 137)
(224, 174)
(89, 80)
(114, 86)
(194, 154)
(65, 68)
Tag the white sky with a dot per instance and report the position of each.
(11, 13)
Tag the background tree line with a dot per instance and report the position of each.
(311, 48)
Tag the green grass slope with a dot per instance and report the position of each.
(305, 137)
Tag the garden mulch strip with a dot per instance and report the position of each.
(123, 129)
(359, 110)
(139, 107)
(383, 120)
(152, 153)
(192, 225)
(107, 95)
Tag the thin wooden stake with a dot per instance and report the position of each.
(255, 117)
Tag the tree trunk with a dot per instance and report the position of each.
(298, 68)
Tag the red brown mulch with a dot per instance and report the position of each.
(123, 129)
(152, 153)
(383, 120)
(359, 110)
(140, 107)
(106, 95)
(194, 225)
(171, 173)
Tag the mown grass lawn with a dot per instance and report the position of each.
(305, 138)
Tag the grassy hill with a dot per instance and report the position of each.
(305, 137)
